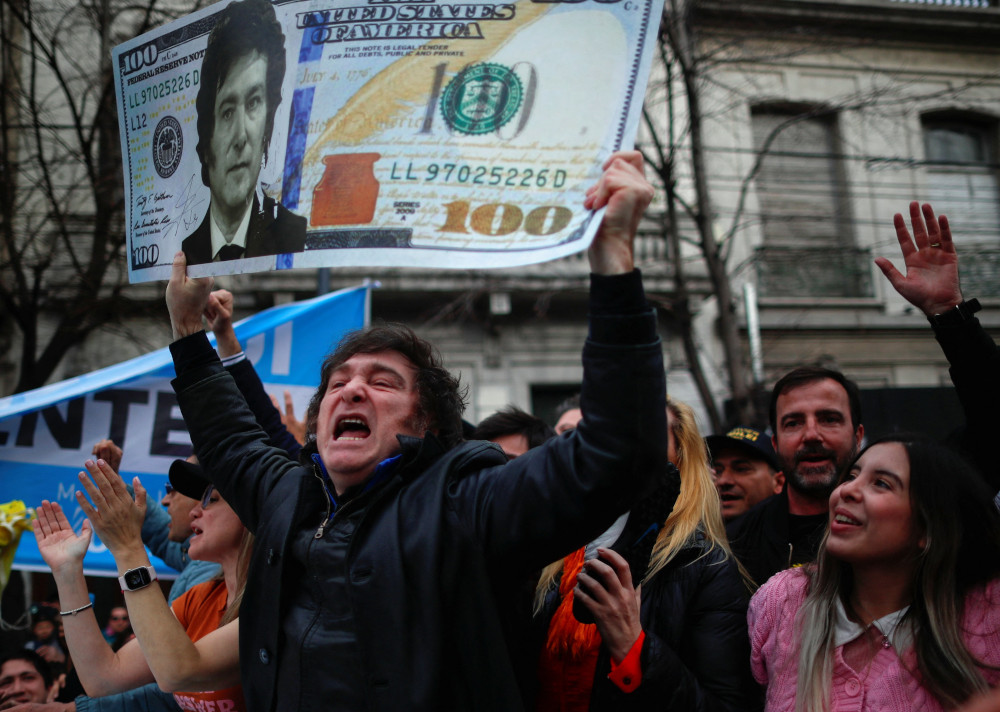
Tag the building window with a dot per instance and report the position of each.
(808, 246)
(962, 183)
(962, 173)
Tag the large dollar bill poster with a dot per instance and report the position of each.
(427, 133)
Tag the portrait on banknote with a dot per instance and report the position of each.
(263, 135)
(238, 95)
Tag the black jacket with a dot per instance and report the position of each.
(974, 361)
(762, 538)
(696, 654)
(443, 543)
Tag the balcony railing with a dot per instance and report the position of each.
(980, 272)
(814, 272)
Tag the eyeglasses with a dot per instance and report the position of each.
(206, 499)
(168, 488)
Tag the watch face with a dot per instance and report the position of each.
(136, 578)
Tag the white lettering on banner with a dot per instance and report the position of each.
(178, 436)
(281, 362)
(142, 418)
(254, 349)
(47, 435)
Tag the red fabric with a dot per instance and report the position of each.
(568, 661)
(627, 674)
(199, 610)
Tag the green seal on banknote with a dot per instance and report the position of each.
(168, 142)
(481, 98)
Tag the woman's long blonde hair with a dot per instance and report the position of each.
(232, 611)
(697, 507)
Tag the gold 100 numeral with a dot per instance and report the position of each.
(505, 218)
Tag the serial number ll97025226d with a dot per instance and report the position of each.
(163, 89)
(496, 175)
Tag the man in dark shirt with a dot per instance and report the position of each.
(815, 416)
(385, 563)
(810, 407)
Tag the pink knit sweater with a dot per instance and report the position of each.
(888, 685)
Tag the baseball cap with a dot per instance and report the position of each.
(747, 439)
(188, 478)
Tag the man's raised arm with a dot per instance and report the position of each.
(625, 193)
(219, 445)
(187, 298)
(931, 284)
(557, 497)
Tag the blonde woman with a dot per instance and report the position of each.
(678, 642)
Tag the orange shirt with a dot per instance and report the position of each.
(568, 660)
(199, 610)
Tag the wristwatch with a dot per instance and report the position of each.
(958, 314)
(134, 579)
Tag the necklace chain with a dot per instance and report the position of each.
(886, 643)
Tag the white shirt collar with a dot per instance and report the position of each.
(608, 538)
(219, 240)
(893, 626)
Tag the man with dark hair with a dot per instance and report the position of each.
(514, 430)
(25, 677)
(440, 398)
(815, 418)
(386, 568)
(240, 91)
(568, 414)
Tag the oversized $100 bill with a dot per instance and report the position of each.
(371, 132)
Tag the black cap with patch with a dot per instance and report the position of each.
(749, 440)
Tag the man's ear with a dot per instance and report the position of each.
(779, 481)
(859, 436)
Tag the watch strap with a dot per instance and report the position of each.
(958, 314)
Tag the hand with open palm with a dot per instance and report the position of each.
(931, 280)
(61, 548)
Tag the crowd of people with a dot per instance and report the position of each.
(389, 555)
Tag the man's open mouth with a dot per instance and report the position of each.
(812, 457)
(351, 429)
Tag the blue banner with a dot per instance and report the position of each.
(47, 434)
